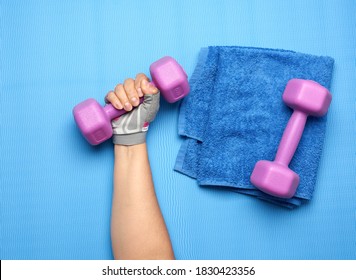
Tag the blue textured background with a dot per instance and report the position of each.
(56, 189)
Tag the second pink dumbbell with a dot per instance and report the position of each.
(306, 97)
(94, 121)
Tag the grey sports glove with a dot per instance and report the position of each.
(131, 128)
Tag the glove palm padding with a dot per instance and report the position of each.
(131, 128)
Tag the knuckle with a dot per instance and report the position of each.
(118, 87)
(110, 95)
(140, 76)
(129, 82)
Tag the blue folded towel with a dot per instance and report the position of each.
(235, 116)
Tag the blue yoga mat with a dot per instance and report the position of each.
(56, 190)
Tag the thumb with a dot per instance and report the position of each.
(148, 88)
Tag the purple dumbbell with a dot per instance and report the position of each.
(306, 97)
(94, 121)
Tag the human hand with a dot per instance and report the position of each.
(131, 128)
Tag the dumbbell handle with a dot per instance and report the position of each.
(291, 137)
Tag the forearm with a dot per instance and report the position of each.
(138, 230)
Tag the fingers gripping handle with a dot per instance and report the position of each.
(114, 113)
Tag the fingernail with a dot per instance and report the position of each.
(128, 106)
(153, 88)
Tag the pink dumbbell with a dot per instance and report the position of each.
(94, 121)
(306, 97)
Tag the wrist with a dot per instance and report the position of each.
(124, 150)
(129, 139)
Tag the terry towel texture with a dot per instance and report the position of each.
(235, 116)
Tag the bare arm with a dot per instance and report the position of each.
(137, 227)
